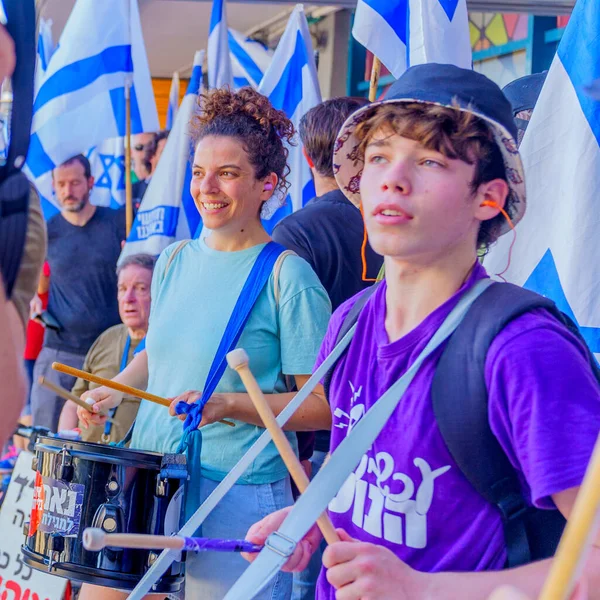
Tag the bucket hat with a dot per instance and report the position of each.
(452, 87)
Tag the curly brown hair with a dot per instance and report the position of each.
(249, 117)
(454, 133)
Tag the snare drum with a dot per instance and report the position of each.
(81, 484)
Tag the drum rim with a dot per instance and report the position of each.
(101, 452)
(168, 583)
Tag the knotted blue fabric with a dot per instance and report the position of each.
(256, 281)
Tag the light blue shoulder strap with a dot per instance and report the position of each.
(342, 462)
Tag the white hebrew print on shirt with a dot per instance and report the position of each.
(380, 509)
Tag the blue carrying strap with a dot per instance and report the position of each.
(256, 281)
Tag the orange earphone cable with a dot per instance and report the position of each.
(363, 250)
(511, 225)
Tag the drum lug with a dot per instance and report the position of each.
(162, 487)
(56, 545)
(112, 488)
(35, 463)
(152, 556)
(26, 529)
(66, 471)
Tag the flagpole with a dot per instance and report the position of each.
(128, 193)
(375, 71)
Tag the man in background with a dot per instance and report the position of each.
(84, 243)
(140, 142)
(114, 349)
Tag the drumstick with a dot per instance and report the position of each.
(579, 534)
(95, 539)
(238, 360)
(119, 387)
(60, 391)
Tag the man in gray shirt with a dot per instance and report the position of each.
(84, 243)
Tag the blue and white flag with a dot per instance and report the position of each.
(173, 106)
(557, 249)
(291, 85)
(81, 99)
(249, 60)
(403, 33)
(220, 73)
(45, 50)
(168, 212)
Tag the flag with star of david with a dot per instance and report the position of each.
(108, 168)
(557, 249)
(80, 98)
(403, 33)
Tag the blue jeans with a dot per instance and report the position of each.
(210, 575)
(305, 582)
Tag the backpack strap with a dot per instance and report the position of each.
(290, 381)
(277, 271)
(15, 189)
(347, 324)
(175, 252)
(21, 26)
(460, 403)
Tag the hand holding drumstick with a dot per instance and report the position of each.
(109, 395)
(238, 360)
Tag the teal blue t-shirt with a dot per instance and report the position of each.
(191, 305)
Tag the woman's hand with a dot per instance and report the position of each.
(101, 399)
(259, 532)
(216, 409)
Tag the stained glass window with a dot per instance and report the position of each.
(496, 29)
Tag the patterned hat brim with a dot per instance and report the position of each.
(348, 166)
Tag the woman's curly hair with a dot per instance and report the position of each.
(249, 117)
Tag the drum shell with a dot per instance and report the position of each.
(122, 491)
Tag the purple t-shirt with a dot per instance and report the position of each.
(407, 493)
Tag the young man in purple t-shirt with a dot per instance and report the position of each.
(437, 172)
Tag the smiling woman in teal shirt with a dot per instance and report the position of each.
(238, 173)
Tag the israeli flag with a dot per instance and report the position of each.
(556, 252)
(45, 49)
(173, 101)
(403, 33)
(249, 60)
(291, 85)
(168, 212)
(220, 73)
(83, 92)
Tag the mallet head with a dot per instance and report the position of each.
(237, 358)
(94, 539)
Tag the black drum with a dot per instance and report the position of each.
(79, 485)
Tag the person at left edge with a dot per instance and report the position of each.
(115, 348)
(239, 171)
(84, 243)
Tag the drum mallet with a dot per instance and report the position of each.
(119, 387)
(95, 539)
(579, 534)
(66, 395)
(238, 360)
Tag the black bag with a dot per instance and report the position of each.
(14, 186)
(460, 403)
